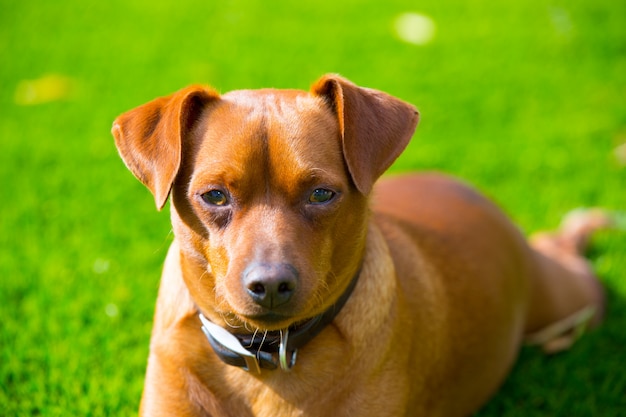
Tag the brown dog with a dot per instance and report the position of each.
(288, 291)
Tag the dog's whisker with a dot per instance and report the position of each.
(246, 326)
(262, 342)
(252, 339)
(226, 317)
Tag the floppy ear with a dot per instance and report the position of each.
(149, 138)
(375, 127)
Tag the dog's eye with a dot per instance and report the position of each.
(215, 198)
(320, 196)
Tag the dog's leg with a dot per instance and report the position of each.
(565, 295)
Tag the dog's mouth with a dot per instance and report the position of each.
(270, 321)
(258, 322)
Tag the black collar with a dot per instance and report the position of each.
(272, 349)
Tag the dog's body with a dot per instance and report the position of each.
(273, 221)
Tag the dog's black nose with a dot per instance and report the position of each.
(270, 285)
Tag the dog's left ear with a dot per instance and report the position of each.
(150, 137)
(375, 127)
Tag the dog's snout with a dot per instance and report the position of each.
(270, 285)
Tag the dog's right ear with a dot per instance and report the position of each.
(149, 138)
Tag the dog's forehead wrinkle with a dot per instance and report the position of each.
(285, 133)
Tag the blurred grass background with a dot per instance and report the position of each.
(525, 99)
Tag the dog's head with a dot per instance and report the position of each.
(269, 189)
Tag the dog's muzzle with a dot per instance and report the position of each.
(270, 350)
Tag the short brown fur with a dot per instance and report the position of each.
(447, 290)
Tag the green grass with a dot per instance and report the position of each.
(526, 99)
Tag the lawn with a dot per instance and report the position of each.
(525, 99)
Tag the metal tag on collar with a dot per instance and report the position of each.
(231, 342)
(282, 352)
